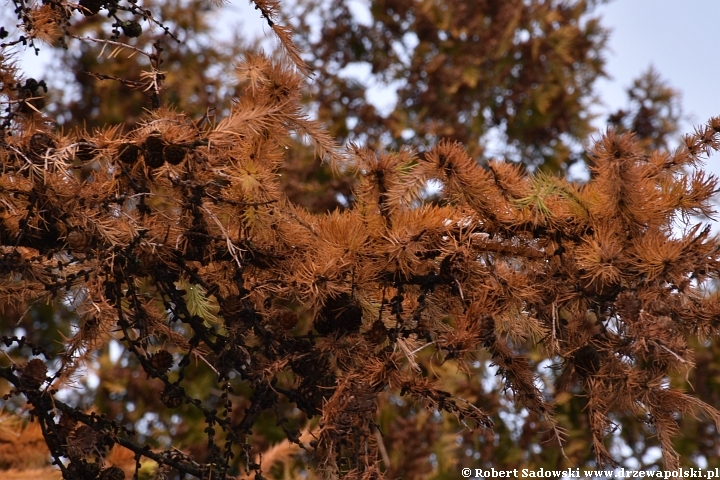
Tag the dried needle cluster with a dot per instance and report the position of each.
(178, 241)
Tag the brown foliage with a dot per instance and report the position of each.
(181, 245)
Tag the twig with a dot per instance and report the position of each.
(232, 249)
(381, 447)
(680, 359)
(111, 42)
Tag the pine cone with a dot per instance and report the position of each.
(162, 361)
(132, 29)
(628, 306)
(83, 470)
(288, 319)
(33, 374)
(154, 147)
(112, 473)
(65, 426)
(378, 333)
(587, 360)
(313, 391)
(172, 396)
(128, 153)
(81, 442)
(77, 240)
(232, 309)
(85, 151)
(174, 154)
(91, 7)
(340, 314)
(38, 147)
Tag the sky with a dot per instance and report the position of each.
(679, 38)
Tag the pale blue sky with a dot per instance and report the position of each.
(679, 37)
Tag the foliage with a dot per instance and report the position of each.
(110, 88)
(654, 111)
(520, 71)
(345, 342)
